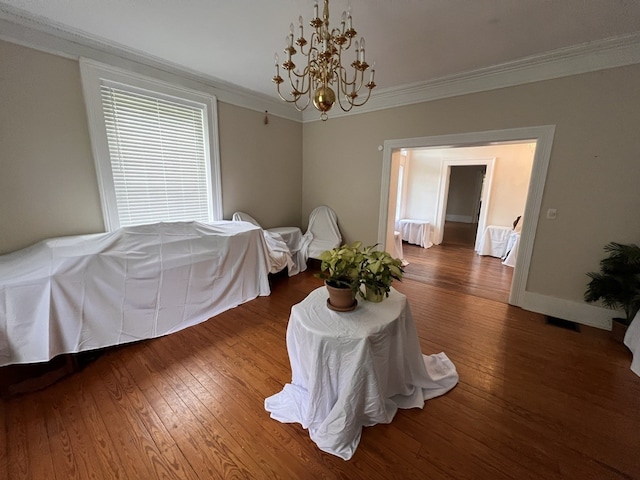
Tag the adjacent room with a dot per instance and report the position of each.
(169, 189)
(461, 194)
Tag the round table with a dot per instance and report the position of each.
(355, 369)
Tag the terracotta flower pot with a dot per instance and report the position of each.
(341, 299)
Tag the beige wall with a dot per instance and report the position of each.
(261, 166)
(48, 184)
(423, 179)
(592, 179)
(510, 185)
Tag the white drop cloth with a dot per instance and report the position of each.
(295, 241)
(279, 248)
(632, 340)
(322, 233)
(511, 252)
(417, 232)
(494, 241)
(79, 293)
(397, 248)
(355, 369)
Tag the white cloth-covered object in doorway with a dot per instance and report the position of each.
(494, 241)
(323, 232)
(397, 248)
(72, 294)
(417, 232)
(513, 244)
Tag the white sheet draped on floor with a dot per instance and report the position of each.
(84, 292)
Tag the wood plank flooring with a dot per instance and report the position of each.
(459, 233)
(458, 268)
(534, 402)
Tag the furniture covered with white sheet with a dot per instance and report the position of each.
(355, 369)
(414, 231)
(280, 254)
(322, 233)
(494, 241)
(72, 294)
(397, 248)
(511, 254)
(296, 243)
(632, 340)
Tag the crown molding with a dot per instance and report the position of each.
(588, 57)
(42, 34)
(23, 28)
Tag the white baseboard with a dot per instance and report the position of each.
(459, 218)
(578, 312)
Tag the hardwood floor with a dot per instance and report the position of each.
(459, 233)
(534, 402)
(458, 268)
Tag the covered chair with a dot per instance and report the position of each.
(284, 245)
(245, 217)
(323, 232)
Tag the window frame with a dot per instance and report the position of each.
(93, 75)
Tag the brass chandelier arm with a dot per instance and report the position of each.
(295, 100)
(352, 102)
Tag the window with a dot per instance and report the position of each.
(155, 147)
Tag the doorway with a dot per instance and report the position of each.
(464, 204)
(541, 137)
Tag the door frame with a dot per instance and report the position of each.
(542, 135)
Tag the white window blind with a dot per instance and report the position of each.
(159, 160)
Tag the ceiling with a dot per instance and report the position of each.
(411, 41)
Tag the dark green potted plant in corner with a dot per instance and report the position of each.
(617, 284)
(379, 270)
(340, 270)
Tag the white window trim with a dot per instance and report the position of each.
(92, 73)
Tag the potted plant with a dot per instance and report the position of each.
(617, 284)
(379, 269)
(341, 272)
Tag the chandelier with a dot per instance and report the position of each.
(322, 71)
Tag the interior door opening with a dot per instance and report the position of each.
(451, 151)
(464, 205)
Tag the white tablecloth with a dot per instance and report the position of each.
(632, 340)
(355, 369)
(511, 253)
(417, 232)
(397, 248)
(494, 241)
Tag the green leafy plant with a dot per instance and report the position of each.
(378, 271)
(341, 266)
(617, 284)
